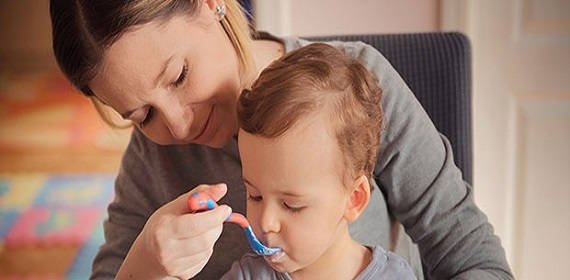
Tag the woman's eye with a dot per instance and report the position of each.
(148, 117)
(181, 77)
(254, 198)
(293, 209)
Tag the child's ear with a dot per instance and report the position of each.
(358, 198)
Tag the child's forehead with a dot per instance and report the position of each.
(308, 139)
(310, 128)
(292, 157)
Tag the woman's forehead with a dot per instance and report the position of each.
(144, 52)
(130, 62)
(143, 40)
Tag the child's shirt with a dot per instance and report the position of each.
(383, 265)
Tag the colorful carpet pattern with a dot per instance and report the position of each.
(57, 166)
(40, 110)
(51, 226)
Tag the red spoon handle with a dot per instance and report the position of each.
(239, 219)
(200, 201)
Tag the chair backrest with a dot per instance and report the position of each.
(437, 68)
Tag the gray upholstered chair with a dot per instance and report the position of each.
(437, 67)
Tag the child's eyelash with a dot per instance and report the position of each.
(287, 207)
(181, 77)
(293, 209)
(254, 198)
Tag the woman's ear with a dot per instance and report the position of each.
(218, 7)
(358, 198)
(211, 4)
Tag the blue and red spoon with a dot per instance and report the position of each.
(199, 201)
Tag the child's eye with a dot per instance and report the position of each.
(293, 209)
(254, 198)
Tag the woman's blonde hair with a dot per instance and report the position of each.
(83, 29)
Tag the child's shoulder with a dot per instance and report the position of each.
(252, 266)
(386, 265)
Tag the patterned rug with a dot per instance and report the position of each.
(51, 226)
(57, 166)
(40, 110)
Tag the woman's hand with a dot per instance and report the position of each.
(175, 242)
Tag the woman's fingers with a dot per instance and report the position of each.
(184, 258)
(190, 265)
(196, 224)
(183, 241)
(190, 224)
(216, 192)
(176, 242)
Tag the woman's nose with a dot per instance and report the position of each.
(178, 121)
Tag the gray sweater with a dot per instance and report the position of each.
(417, 185)
(383, 265)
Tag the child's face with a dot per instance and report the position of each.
(296, 198)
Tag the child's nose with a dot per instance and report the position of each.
(269, 220)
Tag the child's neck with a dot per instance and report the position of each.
(344, 260)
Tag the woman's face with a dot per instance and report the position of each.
(177, 81)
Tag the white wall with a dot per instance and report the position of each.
(521, 125)
(326, 17)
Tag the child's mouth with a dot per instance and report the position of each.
(275, 257)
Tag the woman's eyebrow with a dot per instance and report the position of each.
(161, 74)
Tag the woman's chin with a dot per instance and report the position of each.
(218, 142)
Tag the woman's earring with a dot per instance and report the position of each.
(221, 11)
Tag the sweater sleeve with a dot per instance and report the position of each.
(151, 176)
(424, 188)
(129, 210)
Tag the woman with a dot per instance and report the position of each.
(175, 69)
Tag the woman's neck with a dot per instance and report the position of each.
(265, 52)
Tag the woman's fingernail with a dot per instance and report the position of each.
(228, 210)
